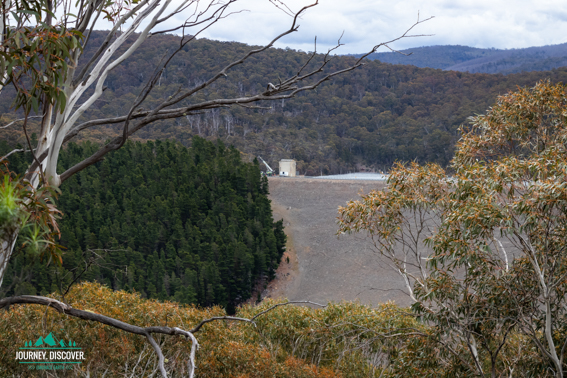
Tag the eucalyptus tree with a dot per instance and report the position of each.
(79, 84)
(65, 84)
(481, 246)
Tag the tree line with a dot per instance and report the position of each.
(377, 115)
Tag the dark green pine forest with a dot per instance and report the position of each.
(193, 225)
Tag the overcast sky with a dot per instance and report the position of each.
(477, 23)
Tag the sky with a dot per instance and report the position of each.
(502, 24)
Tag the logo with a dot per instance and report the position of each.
(48, 353)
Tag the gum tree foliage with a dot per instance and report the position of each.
(30, 214)
(34, 53)
(481, 247)
(64, 86)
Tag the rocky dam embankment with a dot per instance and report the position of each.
(322, 267)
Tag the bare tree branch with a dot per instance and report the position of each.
(147, 332)
(18, 120)
(10, 153)
(96, 70)
(251, 320)
(88, 315)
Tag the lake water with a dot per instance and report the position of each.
(353, 176)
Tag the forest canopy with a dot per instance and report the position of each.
(193, 225)
(374, 116)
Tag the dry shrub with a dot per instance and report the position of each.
(346, 337)
(228, 349)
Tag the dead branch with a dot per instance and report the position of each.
(87, 315)
(288, 88)
(10, 153)
(18, 120)
(251, 320)
(147, 332)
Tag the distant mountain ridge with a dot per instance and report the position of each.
(475, 60)
(372, 117)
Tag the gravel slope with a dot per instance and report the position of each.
(321, 267)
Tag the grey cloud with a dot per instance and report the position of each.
(477, 23)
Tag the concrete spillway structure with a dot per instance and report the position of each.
(355, 176)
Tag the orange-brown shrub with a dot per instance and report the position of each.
(227, 349)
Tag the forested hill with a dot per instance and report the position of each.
(441, 57)
(474, 60)
(373, 116)
(190, 225)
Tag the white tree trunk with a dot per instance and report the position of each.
(6, 249)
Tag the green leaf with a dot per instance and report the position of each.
(17, 40)
(62, 100)
(35, 104)
(30, 12)
(10, 66)
(16, 17)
